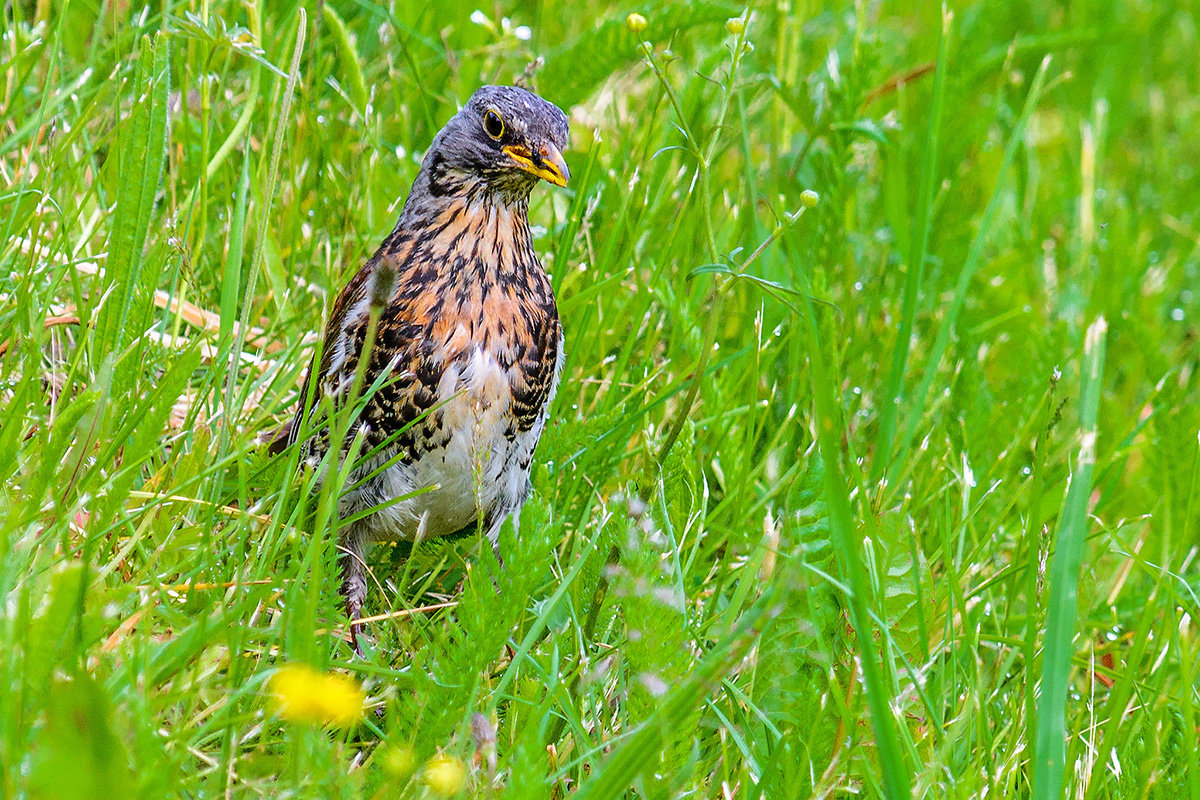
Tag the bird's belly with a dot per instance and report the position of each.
(478, 472)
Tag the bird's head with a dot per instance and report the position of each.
(501, 142)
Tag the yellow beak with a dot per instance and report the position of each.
(548, 164)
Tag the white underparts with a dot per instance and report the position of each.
(481, 473)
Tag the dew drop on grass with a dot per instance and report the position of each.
(1177, 314)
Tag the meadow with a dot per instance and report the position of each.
(874, 471)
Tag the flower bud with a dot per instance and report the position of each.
(445, 775)
(635, 22)
(399, 762)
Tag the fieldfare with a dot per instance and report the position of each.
(467, 345)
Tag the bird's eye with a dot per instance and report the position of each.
(493, 124)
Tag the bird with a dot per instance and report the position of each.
(464, 353)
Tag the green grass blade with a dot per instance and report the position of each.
(842, 530)
(582, 186)
(256, 263)
(348, 57)
(1123, 687)
(919, 246)
(916, 405)
(231, 281)
(142, 152)
(1050, 752)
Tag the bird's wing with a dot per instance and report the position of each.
(535, 373)
(349, 314)
(404, 352)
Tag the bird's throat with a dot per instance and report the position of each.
(473, 237)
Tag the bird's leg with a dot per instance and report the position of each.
(354, 582)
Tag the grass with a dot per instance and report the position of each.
(894, 495)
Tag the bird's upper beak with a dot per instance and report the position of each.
(547, 163)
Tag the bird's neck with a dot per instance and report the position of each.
(475, 232)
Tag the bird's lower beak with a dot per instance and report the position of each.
(547, 164)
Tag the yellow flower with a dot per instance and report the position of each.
(635, 22)
(445, 775)
(735, 25)
(306, 696)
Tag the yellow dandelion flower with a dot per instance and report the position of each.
(294, 689)
(445, 775)
(304, 695)
(342, 700)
